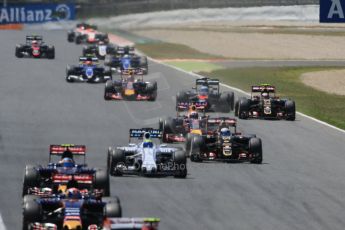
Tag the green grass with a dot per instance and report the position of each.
(163, 50)
(195, 66)
(324, 106)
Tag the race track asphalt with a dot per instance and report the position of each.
(300, 185)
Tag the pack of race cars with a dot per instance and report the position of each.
(67, 194)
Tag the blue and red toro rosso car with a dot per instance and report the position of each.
(57, 175)
(74, 209)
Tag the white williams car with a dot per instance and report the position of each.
(146, 158)
(100, 50)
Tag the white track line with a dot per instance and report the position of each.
(2, 225)
(245, 93)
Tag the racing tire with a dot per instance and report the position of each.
(69, 71)
(70, 36)
(231, 100)
(78, 40)
(255, 148)
(290, 110)
(151, 89)
(223, 103)
(101, 181)
(18, 52)
(112, 209)
(243, 108)
(109, 88)
(117, 156)
(180, 164)
(168, 127)
(31, 178)
(196, 145)
(236, 108)
(51, 52)
(32, 212)
(181, 97)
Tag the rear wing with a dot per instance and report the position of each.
(263, 88)
(137, 71)
(206, 82)
(60, 150)
(226, 120)
(86, 26)
(84, 59)
(125, 50)
(139, 133)
(34, 37)
(131, 223)
(184, 106)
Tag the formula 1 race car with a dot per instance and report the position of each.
(87, 34)
(130, 87)
(146, 158)
(80, 28)
(207, 91)
(74, 209)
(35, 47)
(176, 129)
(89, 71)
(220, 144)
(131, 223)
(127, 62)
(264, 104)
(57, 175)
(100, 50)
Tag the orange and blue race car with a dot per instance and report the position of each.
(187, 122)
(207, 92)
(35, 47)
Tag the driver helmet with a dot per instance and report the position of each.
(34, 42)
(101, 43)
(88, 62)
(203, 90)
(225, 132)
(264, 95)
(74, 193)
(194, 115)
(67, 162)
(147, 140)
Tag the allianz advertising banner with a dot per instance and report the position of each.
(332, 11)
(36, 13)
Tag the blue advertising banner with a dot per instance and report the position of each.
(36, 13)
(332, 11)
